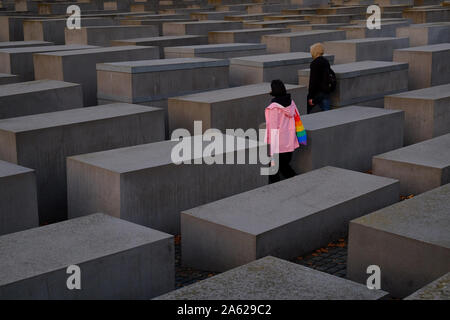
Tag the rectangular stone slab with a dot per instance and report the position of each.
(388, 29)
(425, 15)
(79, 66)
(265, 68)
(102, 36)
(271, 278)
(198, 27)
(285, 219)
(409, 241)
(437, 290)
(43, 141)
(427, 112)
(283, 23)
(217, 51)
(6, 78)
(40, 96)
(232, 108)
(163, 41)
(23, 44)
(348, 137)
(19, 61)
(242, 35)
(352, 50)
(428, 65)
(426, 33)
(117, 260)
(364, 81)
(18, 198)
(299, 41)
(316, 26)
(419, 167)
(142, 184)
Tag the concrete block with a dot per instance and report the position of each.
(247, 17)
(284, 219)
(242, 35)
(409, 241)
(19, 61)
(316, 26)
(102, 36)
(158, 23)
(363, 81)
(117, 260)
(388, 29)
(163, 42)
(299, 41)
(426, 33)
(437, 290)
(419, 167)
(353, 50)
(272, 24)
(18, 198)
(79, 66)
(11, 27)
(43, 141)
(271, 278)
(427, 14)
(142, 184)
(23, 44)
(348, 138)
(6, 78)
(427, 112)
(428, 65)
(265, 68)
(41, 96)
(217, 51)
(198, 27)
(212, 15)
(232, 108)
(330, 18)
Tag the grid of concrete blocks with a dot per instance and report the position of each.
(88, 107)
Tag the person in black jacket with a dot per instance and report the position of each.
(318, 91)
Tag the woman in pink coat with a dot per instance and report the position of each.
(282, 117)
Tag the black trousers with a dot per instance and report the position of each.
(284, 168)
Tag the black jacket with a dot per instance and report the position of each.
(285, 100)
(318, 78)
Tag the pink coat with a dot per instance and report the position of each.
(280, 128)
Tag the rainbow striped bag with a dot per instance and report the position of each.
(299, 129)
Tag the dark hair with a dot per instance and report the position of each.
(278, 88)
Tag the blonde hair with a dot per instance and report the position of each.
(316, 50)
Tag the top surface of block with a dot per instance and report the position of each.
(232, 93)
(368, 40)
(424, 218)
(277, 204)
(46, 48)
(33, 86)
(16, 44)
(10, 169)
(430, 153)
(161, 38)
(72, 116)
(206, 22)
(156, 65)
(437, 290)
(360, 68)
(428, 48)
(271, 278)
(253, 30)
(144, 156)
(340, 116)
(303, 33)
(277, 59)
(431, 93)
(223, 47)
(40, 250)
(95, 50)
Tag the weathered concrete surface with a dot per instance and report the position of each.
(40, 96)
(232, 108)
(364, 81)
(23, 44)
(265, 68)
(284, 219)
(353, 50)
(419, 167)
(299, 41)
(18, 198)
(316, 26)
(117, 260)
(427, 112)
(43, 141)
(427, 14)
(198, 27)
(348, 137)
(163, 42)
(19, 61)
(79, 66)
(212, 15)
(271, 278)
(428, 65)
(272, 23)
(242, 35)
(409, 241)
(102, 36)
(437, 290)
(217, 51)
(143, 184)
(388, 29)
(426, 33)
(247, 17)
(6, 78)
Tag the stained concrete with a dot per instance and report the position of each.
(437, 290)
